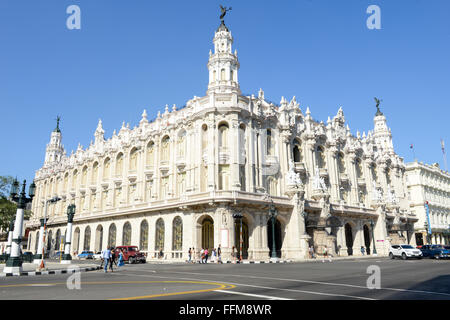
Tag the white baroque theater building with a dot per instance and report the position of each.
(176, 182)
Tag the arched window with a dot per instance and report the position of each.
(94, 173)
(222, 74)
(231, 75)
(74, 179)
(150, 154)
(159, 235)
(223, 135)
(181, 144)
(119, 164)
(165, 149)
(204, 137)
(214, 78)
(269, 142)
(341, 162)
(65, 182)
(320, 157)
(272, 186)
(133, 160)
(106, 169)
(112, 236)
(143, 241)
(177, 234)
(87, 238)
(359, 168)
(297, 153)
(84, 176)
(126, 235)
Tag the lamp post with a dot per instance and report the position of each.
(39, 258)
(238, 216)
(14, 262)
(273, 213)
(374, 251)
(67, 258)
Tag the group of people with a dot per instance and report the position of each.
(202, 255)
(109, 257)
(325, 254)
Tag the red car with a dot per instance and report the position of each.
(130, 254)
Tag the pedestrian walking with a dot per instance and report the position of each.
(219, 254)
(106, 254)
(112, 259)
(206, 255)
(362, 250)
(325, 254)
(202, 255)
(311, 252)
(189, 255)
(213, 255)
(121, 263)
(233, 254)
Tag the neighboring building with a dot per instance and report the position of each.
(175, 182)
(429, 183)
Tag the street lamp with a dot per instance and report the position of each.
(239, 216)
(273, 213)
(67, 258)
(374, 251)
(39, 258)
(14, 262)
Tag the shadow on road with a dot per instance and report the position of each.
(437, 288)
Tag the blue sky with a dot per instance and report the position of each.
(135, 55)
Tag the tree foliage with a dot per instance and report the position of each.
(7, 208)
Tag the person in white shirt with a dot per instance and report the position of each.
(106, 255)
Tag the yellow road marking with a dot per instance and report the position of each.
(221, 286)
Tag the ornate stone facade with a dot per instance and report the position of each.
(429, 183)
(174, 183)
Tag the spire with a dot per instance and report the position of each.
(223, 65)
(144, 117)
(55, 150)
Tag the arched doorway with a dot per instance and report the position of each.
(49, 241)
(36, 245)
(126, 234)
(278, 237)
(58, 240)
(237, 230)
(87, 239)
(349, 239)
(208, 233)
(366, 238)
(99, 238)
(76, 240)
(112, 236)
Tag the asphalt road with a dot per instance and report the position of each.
(340, 280)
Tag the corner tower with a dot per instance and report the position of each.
(55, 150)
(223, 64)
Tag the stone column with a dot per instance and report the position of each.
(10, 237)
(38, 255)
(14, 262)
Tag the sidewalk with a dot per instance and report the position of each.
(30, 269)
(319, 258)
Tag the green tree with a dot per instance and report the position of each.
(7, 208)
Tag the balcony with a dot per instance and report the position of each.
(180, 163)
(300, 167)
(343, 177)
(361, 181)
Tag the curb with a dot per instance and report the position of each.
(39, 273)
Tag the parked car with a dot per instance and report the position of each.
(130, 254)
(27, 256)
(97, 255)
(57, 254)
(86, 255)
(404, 251)
(435, 251)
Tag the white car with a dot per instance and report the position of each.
(97, 255)
(404, 251)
